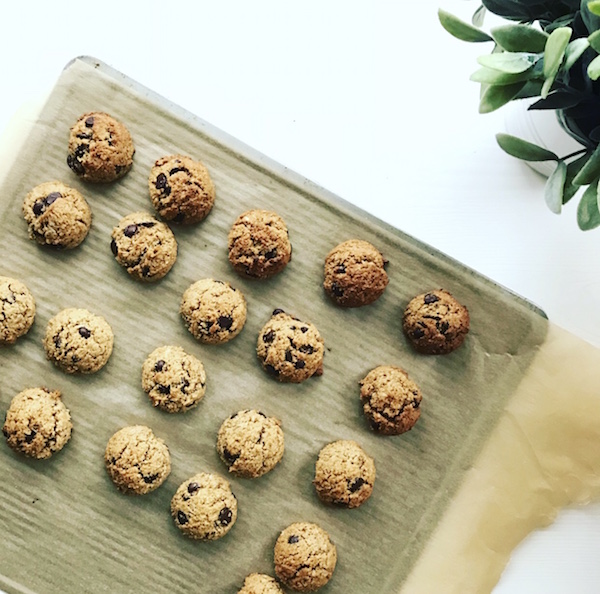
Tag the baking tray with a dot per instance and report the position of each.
(64, 526)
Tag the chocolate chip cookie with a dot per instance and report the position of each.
(17, 310)
(259, 583)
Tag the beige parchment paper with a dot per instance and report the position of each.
(509, 431)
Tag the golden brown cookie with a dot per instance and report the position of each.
(391, 400)
(344, 474)
(100, 148)
(259, 583)
(17, 310)
(259, 244)
(435, 323)
(355, 274)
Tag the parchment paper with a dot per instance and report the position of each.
(65, 528)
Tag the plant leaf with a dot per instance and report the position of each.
(509, 62)
(495, 96)
(489, 76)
(520, 38)
(574, 51)
(478, 16)
(522, 149)
(593, 68)
(573, 168)
(594, 40)
(555, 187)
(594, 7)
(556, 100)
(554, 54)
(588, 214)
(460, 29)
(590, 171)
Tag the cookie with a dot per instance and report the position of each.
(305, 557)
(100, 148)
(174, 380)
(17, 310)
(435, 323)
(144, 246)
(136, 460)
(250, 443)
(181, 189)
(213, 311)
(391, 400)
(57, 215)
(259, 244)
(344, 474)
(78, 341)
(355, 274)
(289, 349)
(37, 424)
(259, 583)
(204, 508)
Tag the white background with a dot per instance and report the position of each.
(372, 101)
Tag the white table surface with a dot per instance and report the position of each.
(372, 101)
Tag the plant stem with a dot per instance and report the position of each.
(579, 152)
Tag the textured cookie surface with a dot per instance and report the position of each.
(260, 583)
(305, 557)
(77, 340)
(250, 443)
(17, 309)
(259, 244)
(391, 400)
(436, 323)
(57, 215)
(344, 474)
(37, 424)
(289, 349)
(181, 189)
(136, 460)
(144, 246)
(173, 379)
(354, 273)
(100, 148)
(204, 507)
(213, 311)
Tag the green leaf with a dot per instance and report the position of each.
(573, 168)
(593, 68)
(520, 38)
(574, 51)
(460, 29)
(517, 147)
(555, 187)
(594, 7)
(554, 54)
(590, 171)
(509, 62)
(478, 16)
(489, 76)
(495, 96)
(588, 214)
(594, 40)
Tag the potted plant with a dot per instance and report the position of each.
(547, 50)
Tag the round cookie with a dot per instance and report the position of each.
(136, 460)
(17, 310)
(144, 246)
(435, 323)
(344, 474)
(259, 244)
(57, 215)
(213, 311)
(259, 583)
(391, 400)
(289, 349)
(181, 189)
(355, 274)
(250, 443)
(203, 507)
(37, 423)
(174, 380)
(100, 148)
(305, 557)
(78, 341)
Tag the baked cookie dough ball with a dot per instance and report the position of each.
(259, 583)
(136, 460)
(100, 148)
(181, 189)
(355, 274)
(305, 557)
(174, 380)
(204, 508)
(78, 341)
(435, 323)
(57, 215)
(17, 310)
(391, 400)
(250, 443)
(259, 244)
(213, 311)
(344, 474)
(37, 424)
(144, 246)
(290, 350)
